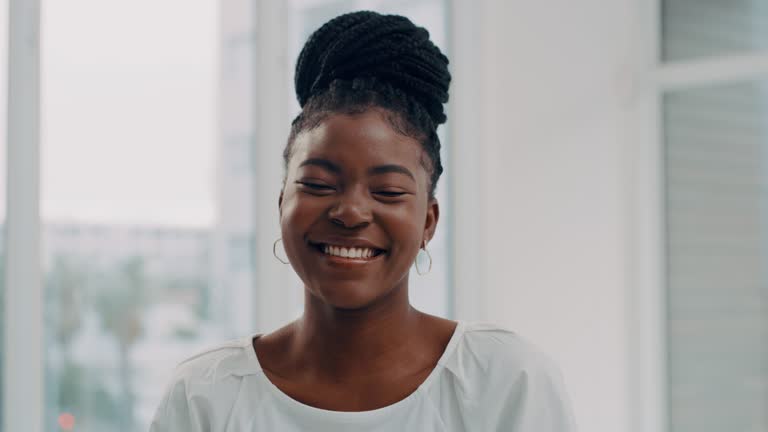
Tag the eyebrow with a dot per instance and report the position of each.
(391, 168)
(377, 170)
(322, 163)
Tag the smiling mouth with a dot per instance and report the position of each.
(351, 253)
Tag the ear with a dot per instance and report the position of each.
(280, 204)
(430, 222)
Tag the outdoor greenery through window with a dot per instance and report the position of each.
(132, 238)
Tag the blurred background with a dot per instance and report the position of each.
(604, 196)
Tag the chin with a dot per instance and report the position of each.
(345, 296)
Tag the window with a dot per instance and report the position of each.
(714, 106)
(695, 29)
(717, 168)
(135, 249)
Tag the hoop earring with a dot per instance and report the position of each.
(418, 270)
(274, 251)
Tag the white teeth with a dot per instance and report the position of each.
(348, 252)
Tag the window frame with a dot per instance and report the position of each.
(272, 82)
(646, 212)
(23, 340)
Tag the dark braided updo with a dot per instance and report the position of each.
(363, 60)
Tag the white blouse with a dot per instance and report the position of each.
(488, 379)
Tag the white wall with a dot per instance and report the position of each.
(546, 100)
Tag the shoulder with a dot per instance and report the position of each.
(203, 388)
(493, 347)
(214, 363)
(501, 376)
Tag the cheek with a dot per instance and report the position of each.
(406, 226)
(298, 209)
(296, 216)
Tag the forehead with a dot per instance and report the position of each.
(357, 140)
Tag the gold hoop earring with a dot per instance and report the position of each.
(418, 270)
(274, 251)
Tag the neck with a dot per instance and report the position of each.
(354, 343)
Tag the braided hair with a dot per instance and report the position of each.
(363, 60)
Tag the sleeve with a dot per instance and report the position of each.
(541, 402)
(174, 413)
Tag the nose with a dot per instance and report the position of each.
(352, 210)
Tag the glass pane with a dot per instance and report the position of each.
(717, 215)
(702, 28)
(431, 293)
(145, 201)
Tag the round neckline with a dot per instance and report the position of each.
(350, 416)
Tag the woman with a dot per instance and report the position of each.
(357, 205)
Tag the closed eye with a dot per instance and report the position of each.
(390, 193)
(316, 186)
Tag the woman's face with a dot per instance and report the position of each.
(355, 209)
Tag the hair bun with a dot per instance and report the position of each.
(389, 48)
